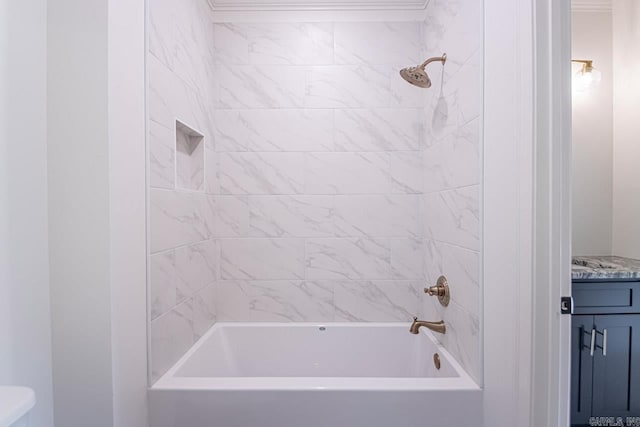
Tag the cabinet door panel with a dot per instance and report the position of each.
(616, 376)
(581, 369)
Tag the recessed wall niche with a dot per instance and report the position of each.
(189, 158)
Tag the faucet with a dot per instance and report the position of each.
(434, 326)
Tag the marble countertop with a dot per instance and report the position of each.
(604, 268)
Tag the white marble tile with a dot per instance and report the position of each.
(379, 129)
(348, 86)
(193, 37)
(196, 267)
(348, 258)
(171, 336)
(347, 173)
(397, 43)
(274, 130)
(407, 258)
(170, 98)
(212, 178)
(454, 217)
(162, 283)
(376, 301)
(231, 43)
(231, 130)
(161, 156)
(378, 216)
(277, 301)
(462, 269)
(463, 337)
(463, 91)
(407, 172)
(455, 161)
(459, 101)
(261, 173)
(234, 299)
(189, 158)
(263, 259)
(454, 27)
(177, 218)
(204, 310)
(231, 216)
(269, 86)
(433, 261)
(291, 216)
(162, 29)
(291, 43)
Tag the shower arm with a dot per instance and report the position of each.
(442, 59)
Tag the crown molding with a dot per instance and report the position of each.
(591, 5)
(318, 10)
(316, 5)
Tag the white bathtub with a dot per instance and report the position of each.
(306, 375)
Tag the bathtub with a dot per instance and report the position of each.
(313, 375)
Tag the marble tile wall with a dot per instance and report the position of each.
(332, 188)
(320, 149)
(183, 256)
(453, 176)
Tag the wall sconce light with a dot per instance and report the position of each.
(587, 76)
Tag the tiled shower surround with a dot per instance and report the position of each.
(326, 182)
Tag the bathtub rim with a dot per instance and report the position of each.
(170, 382)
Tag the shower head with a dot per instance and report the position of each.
(418, 76)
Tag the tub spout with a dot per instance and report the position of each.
(434, 326)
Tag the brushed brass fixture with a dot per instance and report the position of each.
(441, 290)
(587, 76)
(434, 326)
(436, 360)
(418, 76)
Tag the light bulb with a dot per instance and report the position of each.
(586, 78)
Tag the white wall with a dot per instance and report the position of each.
(96, 215)
(626, 129)
(25, 335)
(593, 137)
(127, 210)
(79, 212)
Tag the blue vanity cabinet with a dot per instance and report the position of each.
(581, 369)
(605, 351)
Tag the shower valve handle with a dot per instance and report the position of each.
(440, 290)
